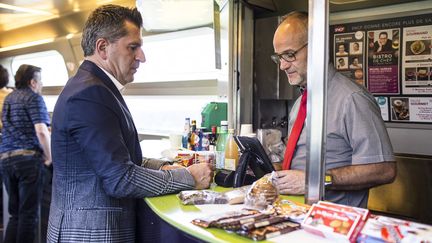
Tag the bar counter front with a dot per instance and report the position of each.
(166, 219)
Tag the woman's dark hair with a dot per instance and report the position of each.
(24, 75)
(107, 21)
(4, 77)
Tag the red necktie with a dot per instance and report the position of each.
(295, 133)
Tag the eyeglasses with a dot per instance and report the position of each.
(288, 56)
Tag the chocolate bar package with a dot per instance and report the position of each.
(236, 223)
(211, 221)
(270, 231)
(263, 222)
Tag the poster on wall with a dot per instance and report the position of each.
(416, 60)
(411, 109)
(349, 55)
(383, 105)
(383, 61)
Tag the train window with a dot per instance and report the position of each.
(178, 56)
(162, 115)
(54, 72)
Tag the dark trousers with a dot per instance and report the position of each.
(22, 176)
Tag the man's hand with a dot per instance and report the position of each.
(171, 167)
(47, 162)
(290, 182)
(202, 174)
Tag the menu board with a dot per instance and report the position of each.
(392, 58)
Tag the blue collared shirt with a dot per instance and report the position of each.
(22, 109)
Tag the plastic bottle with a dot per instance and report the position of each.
(231, 152)
(212, 139)
(186, 133)
(220, 145)
(193, 136)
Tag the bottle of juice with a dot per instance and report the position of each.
(231, 152)
(220, 145)
(193, 136)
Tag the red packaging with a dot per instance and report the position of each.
(333, 224)
(343, 208)
(386, 229)
(364, 213)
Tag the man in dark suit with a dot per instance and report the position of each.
(98, 168)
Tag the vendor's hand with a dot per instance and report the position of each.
(202, 174)
(290, 182)
(48, 162)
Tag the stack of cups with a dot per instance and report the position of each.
(246, 130)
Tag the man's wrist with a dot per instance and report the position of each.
(328, 180)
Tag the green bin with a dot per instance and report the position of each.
(213, 113)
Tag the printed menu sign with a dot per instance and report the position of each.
(394, 63)
(416, 61)
(383, 105)
(349, 55)
(383, 61)
(411, 109)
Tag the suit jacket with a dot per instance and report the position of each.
(96, 159)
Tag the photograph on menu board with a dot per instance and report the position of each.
(349, 55)
(383, 61)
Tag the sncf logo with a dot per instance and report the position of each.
(339, 29)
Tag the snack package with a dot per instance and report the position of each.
(212, 221)
(332, 223)
(237, 195)
(273, 230)
(262, 193)
(196, 197)
(385, 229)
(288, 209)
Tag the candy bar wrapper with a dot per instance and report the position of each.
(270, 231)
(333, 224)
(385, 229)
(236, 223)
(212, 220)
(197, 197)
(263, 222)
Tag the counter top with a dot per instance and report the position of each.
(171, 210)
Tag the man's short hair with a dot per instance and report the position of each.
(107, 21)
(302, 17)
(383, 33)
(4, 77)
(24, 75)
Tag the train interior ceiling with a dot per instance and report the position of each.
(49, 31)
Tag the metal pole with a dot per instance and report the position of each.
(317, 99)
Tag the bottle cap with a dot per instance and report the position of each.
(224, 123)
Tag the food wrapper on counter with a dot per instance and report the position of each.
(333, 223)
(270, 231)
(262, 193)
(197, 197)
(214, 220)
(385, 229)
(294, 211)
